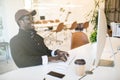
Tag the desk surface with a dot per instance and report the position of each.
(100, 73)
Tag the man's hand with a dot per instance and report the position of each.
(62, 55)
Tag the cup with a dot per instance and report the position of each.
(80, 67)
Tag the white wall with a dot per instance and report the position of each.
(8, 9)
(1, 17)
(79, 9)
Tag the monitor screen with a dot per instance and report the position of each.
(42, 17)
(101, 36)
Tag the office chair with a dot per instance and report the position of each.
(44, 21)
(86, 25)
(73, 26)
(59, 28)
(57, 21)
(78, 39)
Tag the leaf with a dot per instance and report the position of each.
(93, 36)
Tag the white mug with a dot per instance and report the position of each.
(80, 67)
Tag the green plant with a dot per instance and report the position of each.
(93, 37)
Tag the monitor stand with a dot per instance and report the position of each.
(106, 63)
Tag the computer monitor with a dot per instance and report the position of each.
(101, 40)
(101, 36)
(42, 17)
(96, 59)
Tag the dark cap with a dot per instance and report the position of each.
(80, 61)
(22, 12)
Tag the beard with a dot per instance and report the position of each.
(29, 27)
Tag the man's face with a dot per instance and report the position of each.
(27, 22)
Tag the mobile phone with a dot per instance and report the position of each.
(56, 74)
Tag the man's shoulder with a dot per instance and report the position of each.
(14, 39)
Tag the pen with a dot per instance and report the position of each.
(71, 60)
(82, 77)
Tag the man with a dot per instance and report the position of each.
(28, 48)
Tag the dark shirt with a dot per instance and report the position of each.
(27, 48)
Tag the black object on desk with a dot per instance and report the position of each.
(56, 74)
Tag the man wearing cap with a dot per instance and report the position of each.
(28, 48)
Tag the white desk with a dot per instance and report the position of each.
(39, 72)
